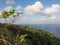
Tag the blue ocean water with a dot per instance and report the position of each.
(53, 28)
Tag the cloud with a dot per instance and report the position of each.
(8, 8)
(52, 18)
(49, 13)
(45, 18)
(38, 8)
(51, 10)
(32, 9)
(10, 1)
(18, 7)
(21, 20)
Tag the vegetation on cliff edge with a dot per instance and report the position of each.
(24, 35)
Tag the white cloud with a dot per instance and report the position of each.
(8, 8)
(53, 18)
(10, 1)
(35, 8)
(49, 20)
(21, 20)
(24, 18)
(51, 10)
(45, 18)
(18, 7)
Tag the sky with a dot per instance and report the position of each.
(34, 11)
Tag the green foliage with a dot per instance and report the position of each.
(23, 35)
(6, 14)
(12, 13)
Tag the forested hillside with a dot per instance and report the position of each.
(24, 35)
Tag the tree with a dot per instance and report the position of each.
(6, 15)
(10, 14)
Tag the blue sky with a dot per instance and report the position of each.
(34, 11)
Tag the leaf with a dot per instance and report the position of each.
(22, 37)
(12, 11)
